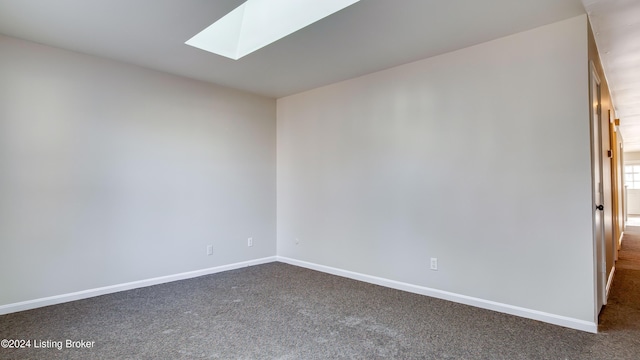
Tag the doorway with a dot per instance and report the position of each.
(597, 187)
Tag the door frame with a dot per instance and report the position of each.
(597, 176)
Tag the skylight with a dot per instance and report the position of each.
(257, 23)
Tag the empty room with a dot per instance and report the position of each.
(307, 179)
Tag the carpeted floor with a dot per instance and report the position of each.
(278, 311)
(629, 254)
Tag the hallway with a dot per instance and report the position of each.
(629, 254)
(621, 315)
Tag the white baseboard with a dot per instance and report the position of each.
(568, 322)
(58, 299)
(462, 299)
(620, 241)
(610, 282)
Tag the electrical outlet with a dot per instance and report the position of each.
(250, 242)
(297, 241)
(209, 249)
(434, 264)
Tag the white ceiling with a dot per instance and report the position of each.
(368, 36)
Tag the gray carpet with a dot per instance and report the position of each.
(278, 311)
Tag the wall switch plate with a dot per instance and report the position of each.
(209, 249)
(434, 264)
(250, 242)
(297, 241)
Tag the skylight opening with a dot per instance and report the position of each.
(258, 23)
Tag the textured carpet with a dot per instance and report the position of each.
(278, 311)
(629, 254)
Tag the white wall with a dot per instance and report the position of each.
(633, 201)
(111, 173)
(632, 157)
(478, 157)
(633, 195)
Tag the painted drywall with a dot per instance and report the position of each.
(633, 195)
(111, 173)
(632, 157)
(633, 202)
(479, 157)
